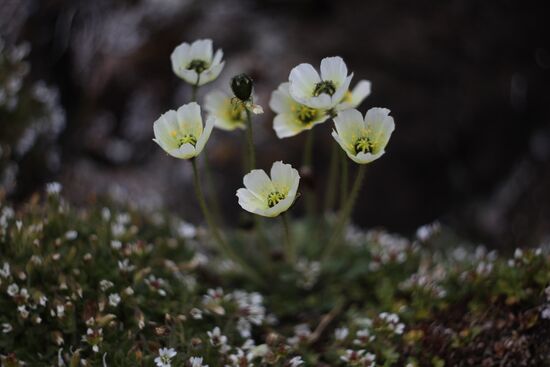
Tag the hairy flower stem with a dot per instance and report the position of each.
(344, 180)
(330, 195)
(290, 252)
(345, 214)
(250, 141)
(224, 247)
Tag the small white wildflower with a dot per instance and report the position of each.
(352, 356)
(19, 225)
(60, 310)
(187, 230)
(114, 299)
(216, 337)
(125, 266)
(71, 235)
(196, 313)
(105, 214)
(165, 357)
(116, 245)
(105, 284)
(196, 63)
(545, 314)
(341, 333)
(241, 359)
(296, 361)
(13, 289)
(23, 311)
(518, 253)
(196, 362)
(6, 328)
(53, 188)
(5, 270)
(128, 291)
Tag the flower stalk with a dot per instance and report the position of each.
(345, 213)
(250, 141)
(222, 244)
(290, 251)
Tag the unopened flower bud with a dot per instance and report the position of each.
(241, 85)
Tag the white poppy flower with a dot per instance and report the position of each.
(230, 115)
(292, 117)
(320, 91)
(363, 140)
(195, 63)
(267, 196)
(353, 98)
(181, 133)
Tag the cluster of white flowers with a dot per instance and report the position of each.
(309, 271)
(250, 311)
(302, 333)
(428, 280)
(387, 248)
(391, 322)
(359, 358)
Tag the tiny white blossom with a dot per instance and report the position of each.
(197, 362)
(23, 311)
(114, 299)
(53, 188)
(296, 361)
(6, 328)
(71, 235)
(341, 333)
(165, 357)
(545, 313)
(196, 313)
(5, 270)
(116, 245)
(216, 337)
(13, 289)
(105, 284)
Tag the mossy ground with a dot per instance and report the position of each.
(108, 286)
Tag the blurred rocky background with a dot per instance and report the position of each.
(81, 83)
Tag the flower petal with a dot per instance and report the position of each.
(202, 50)
(281, 101)
(381, 125)
(186, 151)
(203, 138)
(349, 125)
(334, 69)
(212, 73)
(180, 57)
(303, 79)
(284, 177)
(248, 201)
(217, 57)
(258, 182)
(190, 120)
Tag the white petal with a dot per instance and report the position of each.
(381, 125)
(348, 148)
(217, 57)
(180, 57)
(281, 101)
(349, 125)
(285, 126)
(259, 184)
(322, 102)
(202, 50)
(303, 79)
(248, 201)
(341, 91)
(190, 120)
(190, 76)
(361, 91)
(284, 177)
(334, 69)
(162, 130)
(215, 101)
(186, 151)
(203, 138)
(364, 158)
(212, 73)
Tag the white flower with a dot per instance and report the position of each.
(296, 361)
(363, 140)
(195, 63)
(13, 289)
(228, 114)
(545, 313)
(114, 299)
(353, 98)
(266, 196)
(71, 235)
(105, 284)
(5, 270)
(241, 359)
(165, 357)
(196, 362)
(181, 133)
(293, 117)
(320, 91)
(6, 328)
(196, 313)
(53, 188)
(341, 333)
(23, 311)
(216, 337)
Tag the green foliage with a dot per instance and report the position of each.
(110, 286)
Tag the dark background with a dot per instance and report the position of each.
(467, 83)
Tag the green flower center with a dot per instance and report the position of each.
(236, 110)
(184, 139)
(306, 114)
(325, 86)
(198, 65)
(363, 144)
(274, 198)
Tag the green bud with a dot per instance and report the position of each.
(241, 85)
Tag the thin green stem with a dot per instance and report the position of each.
(308, 168)
(250, 141)
(330, 195)
(290, 252)
(308, 149)
(345, 213)
(194, 89)
(222, 244)
(344, 179)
